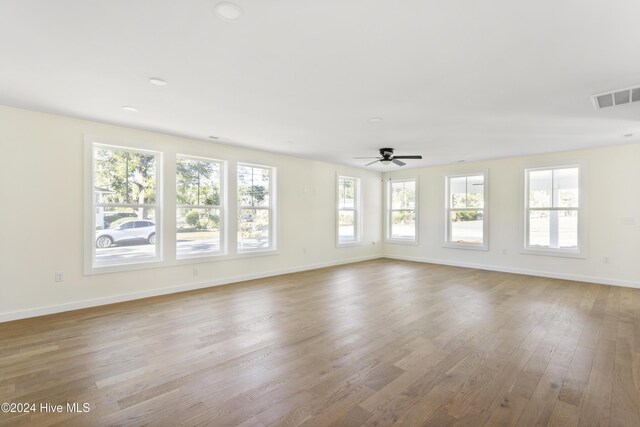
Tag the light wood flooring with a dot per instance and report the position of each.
(374, 343)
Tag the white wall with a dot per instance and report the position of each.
(612, 192)
(42, 169)
(42, 173)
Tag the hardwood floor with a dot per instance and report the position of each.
(374, 343)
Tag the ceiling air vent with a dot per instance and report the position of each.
(619, 97)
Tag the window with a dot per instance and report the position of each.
(125, 206)
(401, 210)
(553, 215)
(256, 201)
(466, 216)
(199, 207)
(348, 210)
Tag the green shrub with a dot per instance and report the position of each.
(192, 218)
(467, 216)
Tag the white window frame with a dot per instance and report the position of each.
(357, 212)
(389, 211)
(580, 251)
(222, 207)
(484, 246)
(90, 206)
(272, 208)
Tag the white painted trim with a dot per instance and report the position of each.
(357, 212)
(401, 242)
(387, 239)
(448, 243)
(95, 302)
(89, 244)
(538, 273)
(274, 230)
(582, 250)
(221, 207)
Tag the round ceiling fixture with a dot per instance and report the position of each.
(157, 81)
(228, 11)
(130, 109)
(375, 119)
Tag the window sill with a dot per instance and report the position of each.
(401, 242)
(466, 246)
(254, 253)
(201, 258)
(553, 253)
(348, 244)
(116, 268)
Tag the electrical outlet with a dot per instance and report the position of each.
(58, 276)
(195, 272)
(304, 250)
(606, 260)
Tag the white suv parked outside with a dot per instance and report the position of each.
(126, 232)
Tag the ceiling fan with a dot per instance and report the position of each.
(386, 155)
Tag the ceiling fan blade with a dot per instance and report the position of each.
(398, 162)
(375, 161)
(367, 157)
(407, 157)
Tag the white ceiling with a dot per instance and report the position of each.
(455, 79)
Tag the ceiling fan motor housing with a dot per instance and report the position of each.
(386, 153)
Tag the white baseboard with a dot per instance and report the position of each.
(505, 269)
(76, 305)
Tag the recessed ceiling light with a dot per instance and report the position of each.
(375, 119)
(157, 81)
(228, 11)
(628, 135)
(214, 137)
(130, 109)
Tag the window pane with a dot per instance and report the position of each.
(540, 189)
(253, 186)
(197, 182)
(346, 193)
(253, 229)
(117, 239)
(197, 232)
(458, 191)
(554, 229)
(475, 191)
(124, 177)
(568, 233)
(467, 227)
(403, 225)
(567, 187)
(403, 195)
(540, 228)
(346, 226)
